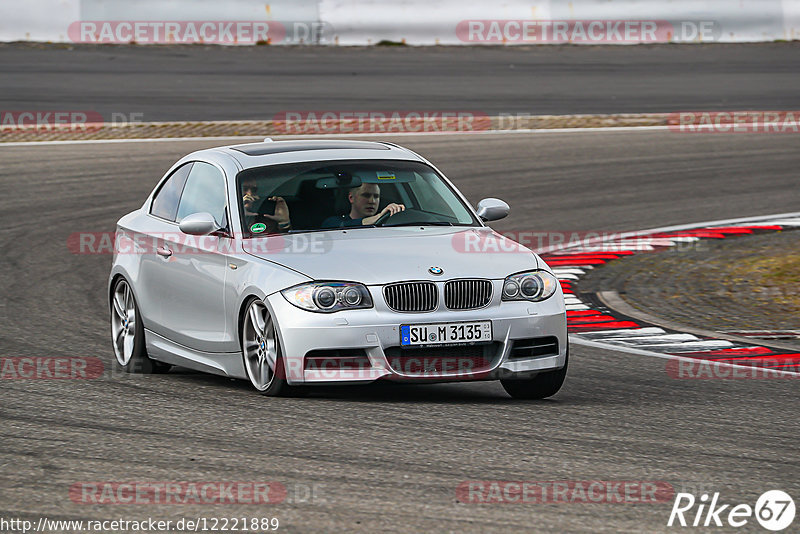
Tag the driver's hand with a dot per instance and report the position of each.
(392, 209)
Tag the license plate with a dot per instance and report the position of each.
(418, 335)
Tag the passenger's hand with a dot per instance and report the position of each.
(247, 201)
(281, 215)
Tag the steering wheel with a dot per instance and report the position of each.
(408, 215)
(382, 218)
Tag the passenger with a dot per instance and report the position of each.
(364, 202)
(277, 222)
(249, 198)
(280, 215)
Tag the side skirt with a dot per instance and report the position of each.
(218, 363)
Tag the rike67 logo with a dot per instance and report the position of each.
(774, 510)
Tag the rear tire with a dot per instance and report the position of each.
(541, 386)
(127, 333)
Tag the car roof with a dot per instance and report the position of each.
(275, 152)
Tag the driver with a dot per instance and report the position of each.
(364, 201)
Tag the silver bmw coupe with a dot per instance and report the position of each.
(296, 263)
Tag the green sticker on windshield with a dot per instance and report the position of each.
(257, 228)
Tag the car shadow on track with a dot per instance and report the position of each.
(382, 391)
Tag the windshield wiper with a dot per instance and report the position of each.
(427, 223)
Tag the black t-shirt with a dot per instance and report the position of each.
(340, 221)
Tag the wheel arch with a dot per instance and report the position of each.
(115, 276)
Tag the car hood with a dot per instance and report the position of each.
(382, 255)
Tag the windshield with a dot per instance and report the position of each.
(326, 195)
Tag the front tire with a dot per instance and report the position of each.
(261, 350)
(127, 333)
(541, 386)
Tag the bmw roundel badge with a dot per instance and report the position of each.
(436, 270)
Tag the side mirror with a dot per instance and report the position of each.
(198, 224)
(492, 209)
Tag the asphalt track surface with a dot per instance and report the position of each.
(388, 457)
(223, 83)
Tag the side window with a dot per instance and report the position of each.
(204, 192)
(165, 203)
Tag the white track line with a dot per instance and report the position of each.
(654, 339)
(568, 270)
(789, 222)
(679, 346)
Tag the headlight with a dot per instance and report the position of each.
(328, 297)
(534, 286)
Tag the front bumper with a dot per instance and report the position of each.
(376, 332)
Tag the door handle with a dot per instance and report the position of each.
(164, 251)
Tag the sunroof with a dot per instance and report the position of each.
(277, 147)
